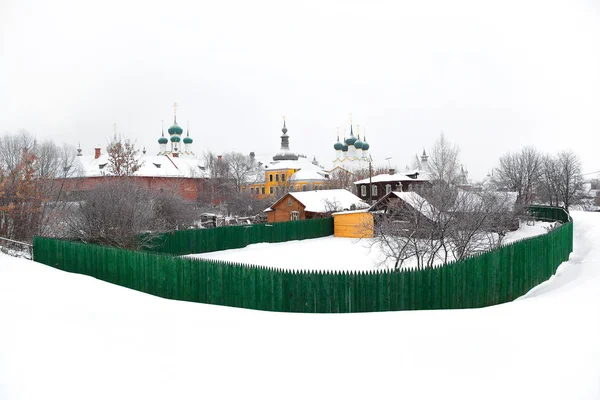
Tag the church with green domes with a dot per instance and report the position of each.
(352, 153)
(174, 145)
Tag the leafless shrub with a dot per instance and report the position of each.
(440, 224)
(124, 214)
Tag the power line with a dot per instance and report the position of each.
(590, 173)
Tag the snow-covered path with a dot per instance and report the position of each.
(65, 336)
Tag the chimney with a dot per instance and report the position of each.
(219, 157)
(97, 152)
(391, 171)
(252, 155)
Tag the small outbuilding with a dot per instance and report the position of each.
(353, 224)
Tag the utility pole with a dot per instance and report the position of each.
(370, 182)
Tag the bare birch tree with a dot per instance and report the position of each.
(444, 161)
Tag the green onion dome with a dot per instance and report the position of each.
(345, 147)
(175, 130)
(338, 145)
(163, 140)
(175, 139)
(187, 140)
(351, 140)
(358, 144)
(365, 146)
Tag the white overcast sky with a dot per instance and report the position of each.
(494, 76)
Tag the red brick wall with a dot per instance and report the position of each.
(187, 188)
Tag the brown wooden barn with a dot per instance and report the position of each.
(313, 204)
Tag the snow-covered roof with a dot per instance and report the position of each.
(308, 174)
(322, 201)
(328, 200)
(151, 166)
(364, 210)
(397, 177)
(288, 164)
(415, 201)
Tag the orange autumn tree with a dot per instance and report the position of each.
(21, 200)
(123, 159)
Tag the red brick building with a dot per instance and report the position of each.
(185, 176)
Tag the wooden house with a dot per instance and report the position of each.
(313, 204)
(377, 187)
(410, 213)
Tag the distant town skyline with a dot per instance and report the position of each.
(493, 77)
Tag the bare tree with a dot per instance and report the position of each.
(444, 161)
(123, 158)
(549, 181)
(247, 205)
(340, 178)
(561, 182)
(520, 172)
(442, 224)
(570, 183)
(241, 169)
(125, 214)
(219, 187)
(12, 148)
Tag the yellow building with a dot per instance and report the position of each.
(353, 224)
(287, 172)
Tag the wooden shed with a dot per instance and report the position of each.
(353, 224)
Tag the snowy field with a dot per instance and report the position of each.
(331, 253)
(66, 336)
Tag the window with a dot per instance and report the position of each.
(252, 190)
(374, 190)
(294, 216)
(289, 201)
(271, 190)
(263, 190)
(304, 188)
(277, 177)
(388, 188)
(270, 177)
(282, 177)
(363, 190)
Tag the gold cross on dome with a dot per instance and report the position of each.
(174, 108)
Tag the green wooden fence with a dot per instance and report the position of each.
(549, 213)
(195, 241)
(490, 278)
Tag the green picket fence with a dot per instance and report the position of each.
(549, 213)
(195, 241)
(490, 278)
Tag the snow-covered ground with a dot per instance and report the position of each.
(66, 336)
(333, 253)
